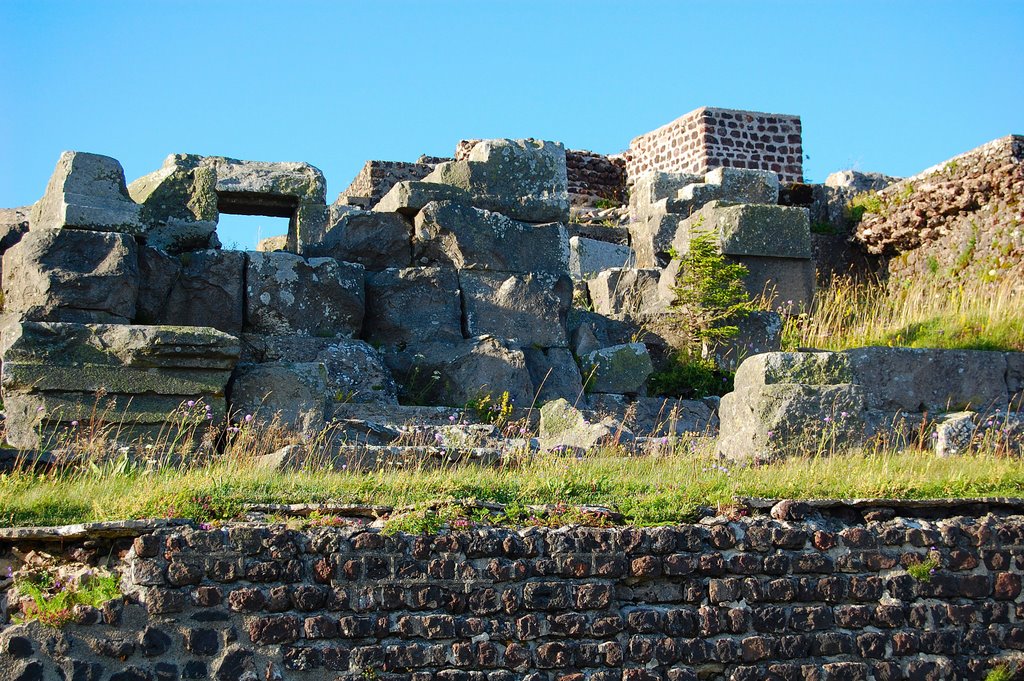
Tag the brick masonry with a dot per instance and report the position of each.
(710, 138)
(824, 598)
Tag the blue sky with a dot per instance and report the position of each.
(887, 86)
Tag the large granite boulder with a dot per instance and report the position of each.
(523, 179)
(409, 198)
(622, 369)
(453, 374)
(87, 191)
(72, 275)
(654, 186)
(464, 237)
(416, 304)
(207, 291)
(529, 308)
(554, 374)
(375, 240)
(178, 204)
(132, 380)
(588, 257)
(289, 294)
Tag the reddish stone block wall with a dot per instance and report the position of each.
(826, 598)
(711, 138)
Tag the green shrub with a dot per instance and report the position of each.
(868, 202)
(1001, 673)
(709, 292)
(923, 570)
(52, 602)
(691, 378)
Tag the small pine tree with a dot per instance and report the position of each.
(709, 292)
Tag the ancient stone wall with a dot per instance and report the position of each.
(596, 175)
(959, 219)
(378, 177)
(590, 175)
(710, 138)
(826, 597)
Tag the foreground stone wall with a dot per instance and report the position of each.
(960, 219)
(708, 138)
(748, 599)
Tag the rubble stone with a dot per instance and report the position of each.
(617, 369)
(375, 240)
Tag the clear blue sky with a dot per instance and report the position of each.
(887, 86)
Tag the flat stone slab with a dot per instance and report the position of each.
(107, 529)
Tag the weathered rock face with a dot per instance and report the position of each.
(409, 198)
(158, 273)
(554, 374)
(564, 428)
(622, 292)
(528, 309)
(289, 294)
(131, 376)
(759, 332)
(72, 275)
(749, 229)
(787, 403)
(87, 191)
(523, 179)
(178, 204)
(293, 395)
(207, 291)
(452, 374)
(417, 304)
(460, 236)
(588, 257)
(617, 369)
(375, 240)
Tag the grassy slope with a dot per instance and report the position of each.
(648, 490)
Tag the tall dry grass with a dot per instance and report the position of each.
(922, 312)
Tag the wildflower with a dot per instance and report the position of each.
(74, 424)
(204, 526)
(664, 440)
(828, 419)
(248, 418)
(770, 433)
(209, 416)
(843, 414)
(438, 437)
(190, 404)
(451, 418)
(10, 572)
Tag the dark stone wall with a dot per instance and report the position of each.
(823, 598)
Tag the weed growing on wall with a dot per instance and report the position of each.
(52, 600)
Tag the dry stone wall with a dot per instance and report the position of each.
(960, 219)
(708, 138)
(805, 596)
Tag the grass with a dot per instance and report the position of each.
(647, 490)
(52, 601)
(921, 313)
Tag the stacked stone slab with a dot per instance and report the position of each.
(63, 382)
(788, 403)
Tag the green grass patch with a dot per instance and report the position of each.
(52, 601)
(647, 490)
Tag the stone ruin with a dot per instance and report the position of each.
(425, 286)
